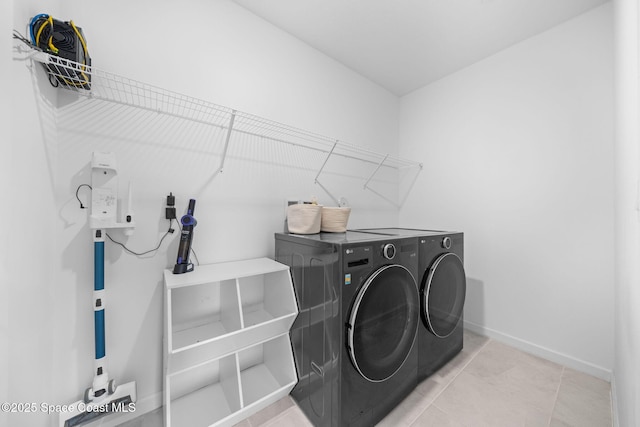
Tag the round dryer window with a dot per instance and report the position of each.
(443, 295)
(383, 322)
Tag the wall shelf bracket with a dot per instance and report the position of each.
(226, 141)
(375, 171)
(320, 171)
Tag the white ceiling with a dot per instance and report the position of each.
(405, 44)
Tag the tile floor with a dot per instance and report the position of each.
(488, 384)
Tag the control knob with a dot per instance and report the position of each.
(446, 243)
(389, 251)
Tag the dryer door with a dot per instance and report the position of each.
(383, 322)
(443, 295)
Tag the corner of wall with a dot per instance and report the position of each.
(614, 400)
(540, 351)
(6, 14)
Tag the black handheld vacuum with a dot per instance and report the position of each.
(188, 222)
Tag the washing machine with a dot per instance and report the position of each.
(442, 294)
(355, 337)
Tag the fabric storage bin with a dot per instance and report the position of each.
(304, 218)
(334, 219)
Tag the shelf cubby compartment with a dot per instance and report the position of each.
(267, 371)
(205, 395)
(267, 303)
(202, 313)
(224, 391)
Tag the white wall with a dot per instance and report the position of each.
(5, 189)
(32, 252)
(518, 154)
(211, 50)
(626, 375)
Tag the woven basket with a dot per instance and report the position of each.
(334, 219)
(304, 218)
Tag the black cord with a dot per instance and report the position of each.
(78, 189)
(195, 256)
(169, 231)
(17, 35)
(53, 80)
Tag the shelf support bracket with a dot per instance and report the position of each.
(226, 141)
(366, 184)
(320, 171)
(375, 171)
(397, 205)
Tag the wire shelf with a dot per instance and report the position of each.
(93, 83)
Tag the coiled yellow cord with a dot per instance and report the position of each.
(84, 48)
(51, 46)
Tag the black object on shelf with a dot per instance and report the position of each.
(188, 223)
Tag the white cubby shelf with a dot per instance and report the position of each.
(227, 347)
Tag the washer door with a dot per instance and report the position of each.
(443, 295)
(383, 322)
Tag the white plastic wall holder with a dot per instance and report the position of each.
(104, 195)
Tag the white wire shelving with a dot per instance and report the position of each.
(94, 83)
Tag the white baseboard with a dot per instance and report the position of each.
(545, 353)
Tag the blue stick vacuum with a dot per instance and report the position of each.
(103, 397)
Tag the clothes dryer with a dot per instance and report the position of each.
(442, 295)
(354, 339)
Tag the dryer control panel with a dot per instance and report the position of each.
(360, 256)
